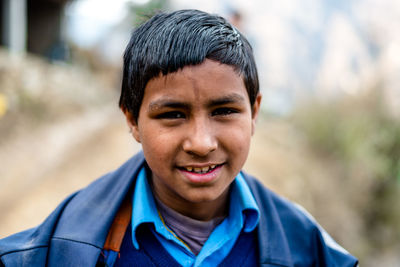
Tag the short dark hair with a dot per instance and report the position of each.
(167, 42)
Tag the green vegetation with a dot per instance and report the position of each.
(363, 138)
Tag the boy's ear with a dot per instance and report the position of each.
(255, 110)
(132, 124)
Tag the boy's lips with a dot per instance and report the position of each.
(201, 174)
(200, 168)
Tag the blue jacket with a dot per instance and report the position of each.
(74, 234)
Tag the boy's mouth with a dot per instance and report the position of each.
(200, 170)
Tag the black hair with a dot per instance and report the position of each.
(167, 42)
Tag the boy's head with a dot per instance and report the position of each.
(190, 96)
(170, 41)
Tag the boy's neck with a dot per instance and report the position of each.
(202, 211)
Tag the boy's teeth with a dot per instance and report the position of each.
(200, 169)
(205, 169)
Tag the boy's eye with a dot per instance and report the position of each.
(223, 111)
(171, 115)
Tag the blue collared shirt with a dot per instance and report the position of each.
(243, 215)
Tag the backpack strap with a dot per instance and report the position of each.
(119, 226)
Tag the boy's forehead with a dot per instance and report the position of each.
(208, 68)
(209, 79)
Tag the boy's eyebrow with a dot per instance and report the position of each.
(228, 99)
(170, 103)
(167, 103)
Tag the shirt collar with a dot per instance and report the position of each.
(243, 208)
(144, 209)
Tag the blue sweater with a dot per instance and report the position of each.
(74, 234)
(152, 253)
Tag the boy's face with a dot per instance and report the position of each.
(195, 127)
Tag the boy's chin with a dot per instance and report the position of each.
(203, 196)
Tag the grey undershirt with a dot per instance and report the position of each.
(193, 233)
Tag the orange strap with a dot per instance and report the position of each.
(119, 226)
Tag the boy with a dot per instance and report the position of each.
(190, 95)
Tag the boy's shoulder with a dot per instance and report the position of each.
(289, 235)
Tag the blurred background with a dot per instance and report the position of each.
(328, 137)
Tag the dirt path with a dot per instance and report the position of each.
(98, 149)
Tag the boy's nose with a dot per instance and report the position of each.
(200, 139)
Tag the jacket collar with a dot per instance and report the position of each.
(274, 247)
